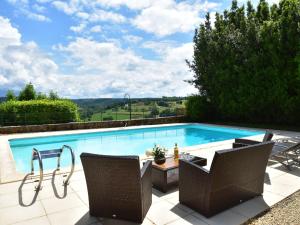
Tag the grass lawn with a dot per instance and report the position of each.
(120, 115)
(139, 111)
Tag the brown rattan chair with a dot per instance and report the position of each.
(236, 175)
(239, 142)
(117, 187)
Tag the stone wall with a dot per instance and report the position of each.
(89, 125)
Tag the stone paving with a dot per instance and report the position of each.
(54, 204)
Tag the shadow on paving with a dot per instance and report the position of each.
(28, 179)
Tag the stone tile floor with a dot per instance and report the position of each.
(54, 204)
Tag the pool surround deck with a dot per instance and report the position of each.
(8, 172)
(54, 204)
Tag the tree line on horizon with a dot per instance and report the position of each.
(29, 93)
(246, 65)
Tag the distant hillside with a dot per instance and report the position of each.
(93, 108)
(2, 99)
(103, 103)
(99, 103)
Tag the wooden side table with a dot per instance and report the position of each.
(166, 176)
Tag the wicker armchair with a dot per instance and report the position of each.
(236, 175)
(117, 187)
(239, 142)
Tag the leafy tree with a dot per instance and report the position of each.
(246, 66)
(41, 96)
(154, 110)
(53, 95)
(163, 103)
(28, 93)
(10, 96)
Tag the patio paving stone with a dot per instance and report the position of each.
(251, 207)
(83, 195)
(56, 205)
(77, 215)
(36, 221)
(14, 186)
(78, 185)
(17, 198)
(271, 198)
(107, 221)
(190, 219)
(163, 212)
(227, 217)
(18, 213)
(283, 189)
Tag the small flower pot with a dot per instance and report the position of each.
(160, 161)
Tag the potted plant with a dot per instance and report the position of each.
(159, 154)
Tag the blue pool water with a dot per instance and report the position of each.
(121, 142)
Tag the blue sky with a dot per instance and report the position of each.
(100, 48)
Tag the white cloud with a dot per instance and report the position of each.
(153, 16)
(131, 4)
(96, 29)
(94, 68)
(21, 62)
(160, 47)
(132, 38)
(36, 16)
(8, 34)
(18, 1)
(39, 8)
(79, 28)
(102, 15)
(23, 7)
(207, 6)
(167, 17)
(121, 70)
(87, 11)
(65, 7)
(44, 1)
(255, 2)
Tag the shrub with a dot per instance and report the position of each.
(163, 104)
(108, 118)
(167, 112)
(154, 110)
(38, 112)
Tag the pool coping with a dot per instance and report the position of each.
(8, 171)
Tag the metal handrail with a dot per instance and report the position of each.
(66, 182)
(36, 154)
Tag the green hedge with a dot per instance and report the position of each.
(198, 108)
(247, 64)
(38, 112)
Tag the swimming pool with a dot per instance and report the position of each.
(121, 142)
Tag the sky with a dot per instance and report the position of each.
(100, 48)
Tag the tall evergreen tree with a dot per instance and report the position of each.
(247, 66)
(10, 96)
(28, 93)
